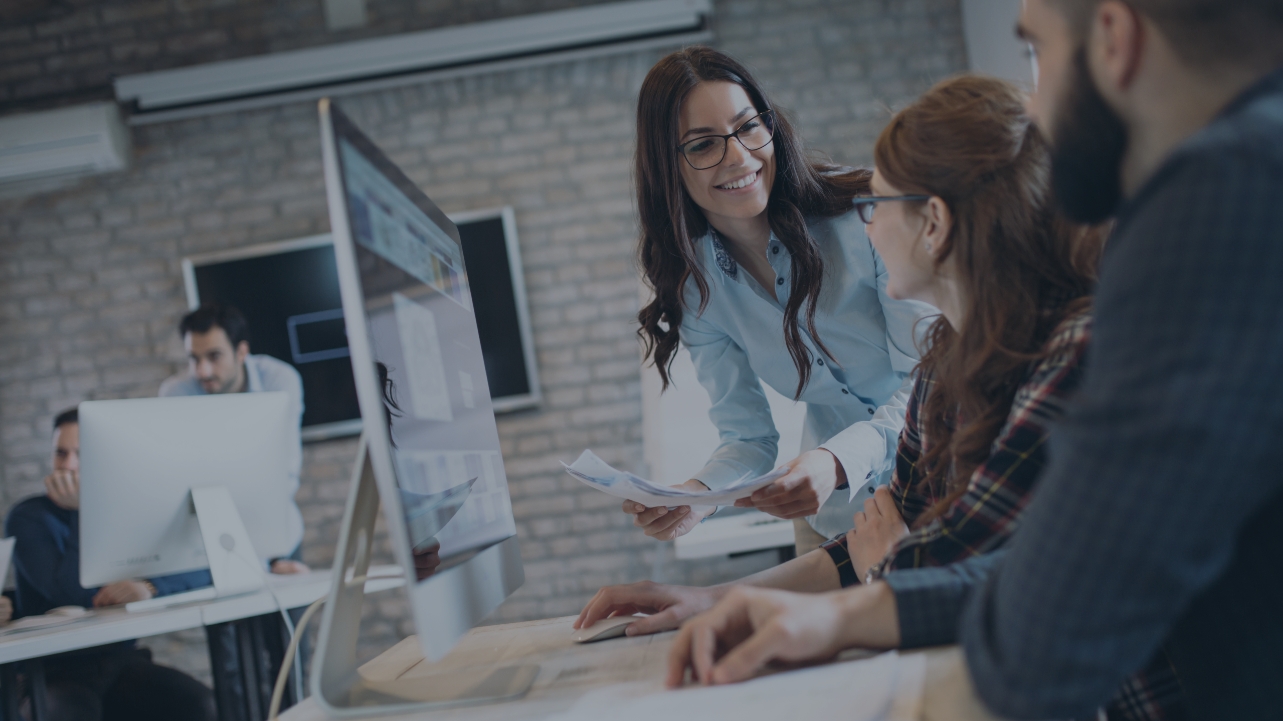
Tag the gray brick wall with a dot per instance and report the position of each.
(52, 53)
(90, 286)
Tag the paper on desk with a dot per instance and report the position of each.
(597, 473)
(887, 687)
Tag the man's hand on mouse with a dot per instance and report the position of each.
(664, 523)
(668, 605)
(115, 594)
(63, 488)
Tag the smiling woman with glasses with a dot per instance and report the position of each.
(708, 151)
(761, 268)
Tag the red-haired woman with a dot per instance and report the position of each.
(762, 269)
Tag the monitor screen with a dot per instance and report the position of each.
(421, 382)
(423, 335)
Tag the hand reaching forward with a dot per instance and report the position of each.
(752, 627)
(114, 594)
(810, 481)
(665, 524)
(877, 529)
(289, 567)
(668, 605)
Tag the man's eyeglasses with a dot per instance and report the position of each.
(707, 151)
(865, 206)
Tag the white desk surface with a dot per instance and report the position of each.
(568, 671)
(741, 533)
(116, 624)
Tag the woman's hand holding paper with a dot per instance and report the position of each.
(664, 523)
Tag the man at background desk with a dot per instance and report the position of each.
(107, 682)
(216, 338)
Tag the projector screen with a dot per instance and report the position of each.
(289, 294)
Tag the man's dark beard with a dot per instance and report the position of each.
(1088, 143)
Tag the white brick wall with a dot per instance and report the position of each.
(90, 285)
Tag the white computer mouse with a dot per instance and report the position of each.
(603, 629)
(68, 611)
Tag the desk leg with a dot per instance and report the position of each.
(39, 691)
(270, 638)
(251, 665)
(225, 666)
(9, 692)
(245, 657)
(274, 639)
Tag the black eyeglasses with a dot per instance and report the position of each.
(707, 151)
(865, 206)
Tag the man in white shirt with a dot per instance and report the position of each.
(216, 338)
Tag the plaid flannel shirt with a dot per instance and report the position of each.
(987, 513)
(998, 490)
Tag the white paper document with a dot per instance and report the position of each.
(887, 687)
(600, 475)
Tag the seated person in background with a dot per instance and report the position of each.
(216, 338)
(118, 681)
(966, 223)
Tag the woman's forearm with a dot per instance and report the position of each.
(811, 573)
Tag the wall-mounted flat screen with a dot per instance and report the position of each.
(289, 293)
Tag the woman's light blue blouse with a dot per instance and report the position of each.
(855, 406)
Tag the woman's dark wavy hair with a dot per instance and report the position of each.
(1021, 266)
(671, 223)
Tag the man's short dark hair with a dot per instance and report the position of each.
(210, 315)
(1206, 32)
(71, 415)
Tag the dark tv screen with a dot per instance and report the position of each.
(291, 300)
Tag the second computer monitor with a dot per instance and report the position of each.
(140, 458)
(421, 381)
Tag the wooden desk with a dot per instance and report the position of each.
(568, 671)
(112, 625)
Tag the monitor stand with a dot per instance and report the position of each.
(339, 687)
(233, 564)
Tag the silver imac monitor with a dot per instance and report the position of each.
(427, 416)
(141, 458)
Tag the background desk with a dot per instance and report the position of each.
(569, 670)
(735, 534)
(240, 672)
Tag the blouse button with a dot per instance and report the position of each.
(846, 392)
(819, 361)
(775, 250)
(779, 281)
(870, 411)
